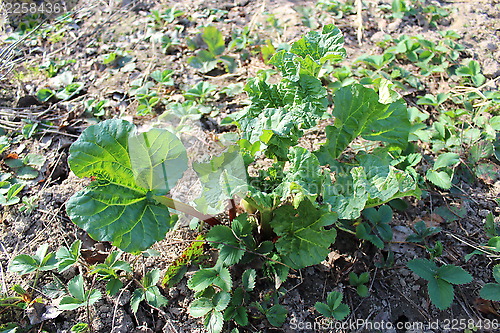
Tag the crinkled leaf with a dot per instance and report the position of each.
(303, 240)
(373, 183)
(114, 208)
(323, 46)
(358, 112)
(304, 175)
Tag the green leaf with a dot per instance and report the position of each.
(80, 328)
(441, 293)
(303, 176)
(372, 183)
(67, 257)
(424, 268)
(439, 178)
(158, 159)
(248, 279)
(276, 315)
(163, 77)
(137, 296)
(113, 286)
(222, 238)
(76, 287)
(238, 314)
(34, 160)
(490, 291)
(218, 276)
(154, 297)
(200, 307)
(362, 290)
(303, 241)
(92, 296)
(214, 322)
(27, 172)
(334, 299)
(44, 94)
(132, 220)
(446, 160)
(358, 112)
(214, 40)
(324, 309)
(221, 300)
(454, 274)
(223, 177)
(70, 303)
(327, 45)
(341, 312)
(204, 61)
(496, 273)
(23, 264)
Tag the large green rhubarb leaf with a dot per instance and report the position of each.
(119, 205)
(224, 177)
(303, 240)
(280, 111)
(372, 183)
(327, 45)
(358, 112)
(304, 178)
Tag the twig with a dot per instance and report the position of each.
(479, 248)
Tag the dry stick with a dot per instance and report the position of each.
(359, 19)
(424, 314)
(476, 247)
(116, 305)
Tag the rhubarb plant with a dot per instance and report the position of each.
(293, 207)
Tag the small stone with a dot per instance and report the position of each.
(483, 212)
(491, 67)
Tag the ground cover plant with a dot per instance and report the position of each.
(266, 177)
